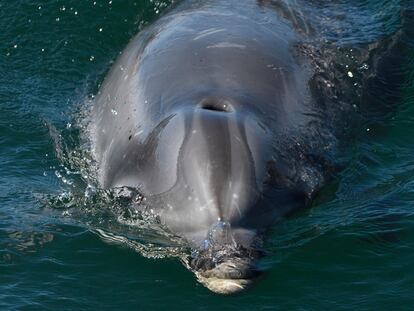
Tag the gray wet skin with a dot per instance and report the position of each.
(198, 112)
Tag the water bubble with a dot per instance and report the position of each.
(66, 213)
(90, 191)
(206, 244)
(220, 232)
(124, 192)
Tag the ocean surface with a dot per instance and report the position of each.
(66, 245)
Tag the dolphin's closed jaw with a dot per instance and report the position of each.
(226, 263)
(224, 286)
(231, 276)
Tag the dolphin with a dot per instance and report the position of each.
(213, 113)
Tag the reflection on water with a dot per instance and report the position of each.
(29, 242)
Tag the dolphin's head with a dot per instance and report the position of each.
(213, 176)
(201, 117)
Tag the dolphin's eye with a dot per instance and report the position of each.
(274, 176)
(272, 173)
(216, 104)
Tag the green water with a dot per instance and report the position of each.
(354, 250)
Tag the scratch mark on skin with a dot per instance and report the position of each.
(223, 45)
(208, 32)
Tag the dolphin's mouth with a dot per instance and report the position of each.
(228, 274)
(231, 276)
(223, 265)
(224, 286)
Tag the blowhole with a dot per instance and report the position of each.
(216, 104)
